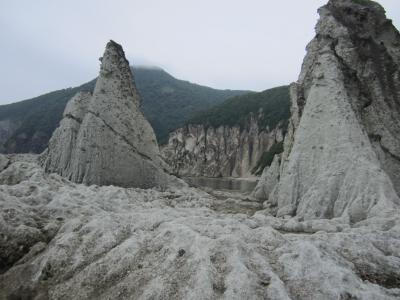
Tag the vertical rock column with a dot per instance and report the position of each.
(104, 138)
(342, 149)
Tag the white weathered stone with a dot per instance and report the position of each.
(198, 150)
(62, 145)
(341, 155)
(61, 240)
(104, 138)
(3, 162)
(268, 180)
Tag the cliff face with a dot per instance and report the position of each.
(342, 150)
(233, 138)
(104, 138)
(7, 128)
(268, 180)
(198, 150)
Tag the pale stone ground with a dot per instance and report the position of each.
(61, 240)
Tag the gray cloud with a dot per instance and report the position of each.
(253, 44)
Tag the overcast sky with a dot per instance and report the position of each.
(228, 44)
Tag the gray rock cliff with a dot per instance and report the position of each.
(268, 180)
(225, 151)
(234, 139)
(342, 150)
(104, 138)
(4, 161)
(7, 128)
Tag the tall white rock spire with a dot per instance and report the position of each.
(342, 151)
(104, 138)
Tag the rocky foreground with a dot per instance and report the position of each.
(330, 230)
(61, 240)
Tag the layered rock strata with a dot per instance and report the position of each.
(198, 150)
(104, 138)
(342, 150)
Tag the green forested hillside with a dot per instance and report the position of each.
(166, 102)
(270, 106)
(36, 119)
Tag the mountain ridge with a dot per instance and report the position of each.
(27, 125)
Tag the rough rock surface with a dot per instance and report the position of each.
(61, 240)
(268, 180)
(104, 138)
(7, 128)
(342, 150)
(196, 150)
(4, 161)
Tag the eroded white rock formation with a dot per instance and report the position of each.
(104, 138)
(61, 240)
(268, 180)
(4, 161)
(342, 151)
(198, 150)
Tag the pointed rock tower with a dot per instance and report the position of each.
(342, 151)
(104, 138)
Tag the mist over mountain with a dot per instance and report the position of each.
(167, 103)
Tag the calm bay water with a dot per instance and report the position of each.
(229, 184)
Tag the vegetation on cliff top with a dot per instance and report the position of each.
(166, 102)
(362, 2)
(270, 108)
(36, 119)
(267, 157)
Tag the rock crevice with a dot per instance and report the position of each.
(125, 139)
